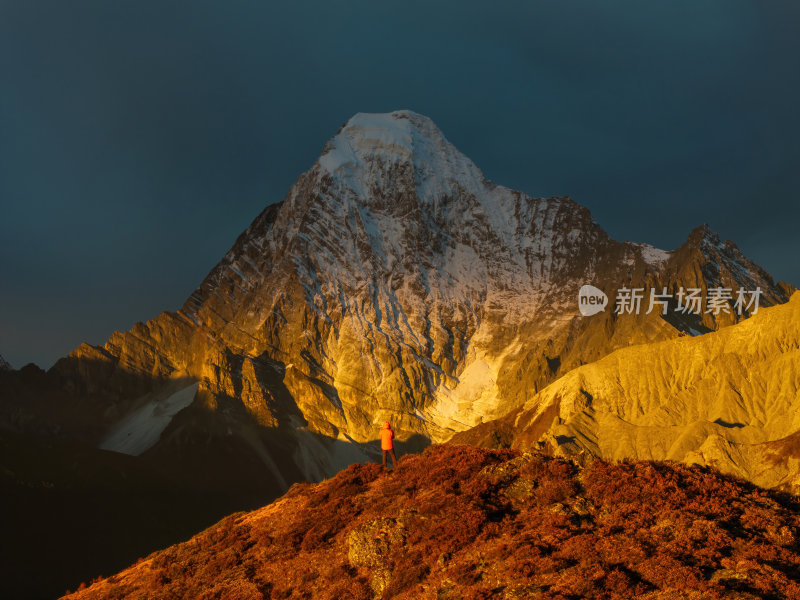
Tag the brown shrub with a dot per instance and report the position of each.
(479, 524)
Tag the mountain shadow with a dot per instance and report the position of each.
(72, 511)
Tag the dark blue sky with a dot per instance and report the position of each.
(139, 138)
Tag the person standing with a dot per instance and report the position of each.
(387, 443)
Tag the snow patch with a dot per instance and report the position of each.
(142, 429)
(319, 458)
(652, 255)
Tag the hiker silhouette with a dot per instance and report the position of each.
(387, 445)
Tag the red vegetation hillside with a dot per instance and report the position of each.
(458, 522)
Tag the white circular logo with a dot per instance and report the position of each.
(591, 300)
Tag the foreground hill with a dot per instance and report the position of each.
(729, 399)
(463, 522)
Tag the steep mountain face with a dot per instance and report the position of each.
(4, 365)
(729, 399)
(395, 283)
(461, 522)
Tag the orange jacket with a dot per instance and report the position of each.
(386, 435)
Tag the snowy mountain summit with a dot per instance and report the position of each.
(370, 143)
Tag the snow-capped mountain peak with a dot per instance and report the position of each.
(403, 147)
(395, 282)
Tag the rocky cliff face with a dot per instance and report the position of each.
(395, 283)
(729, 399)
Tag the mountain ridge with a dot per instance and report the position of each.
(729, 399)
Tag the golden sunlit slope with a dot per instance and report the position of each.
(728, 399)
